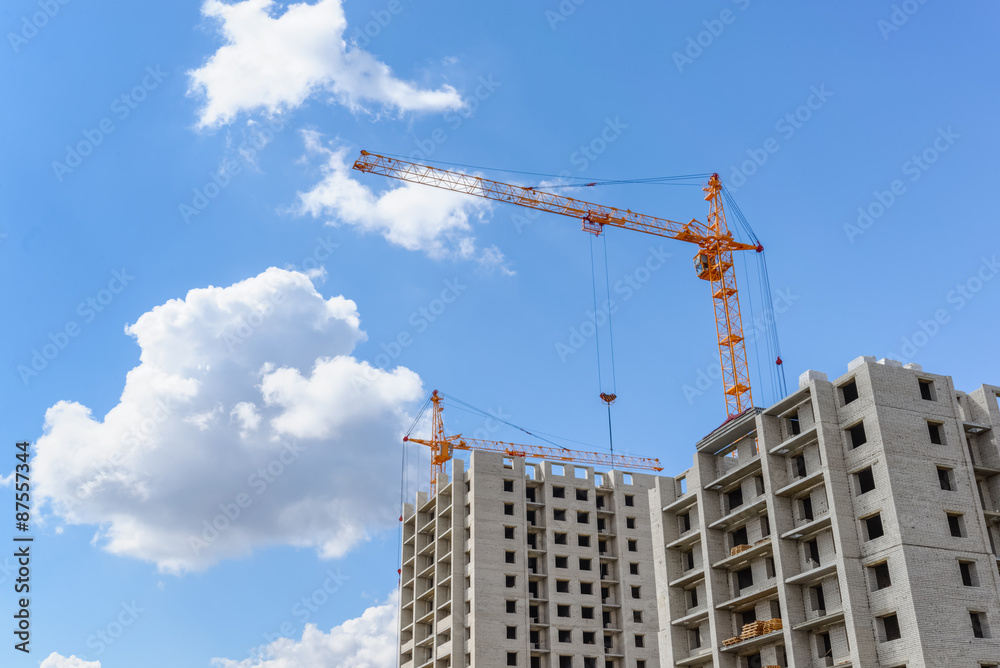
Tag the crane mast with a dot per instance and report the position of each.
(713, 262)
(443, 447)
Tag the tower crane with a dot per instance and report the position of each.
(713, 262)
(443, 446)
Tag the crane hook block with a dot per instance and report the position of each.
(608, 398)
(760, 248)
(405, 439)
(778, 362)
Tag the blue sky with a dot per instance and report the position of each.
(198, 288)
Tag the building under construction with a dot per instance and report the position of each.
(853, 523)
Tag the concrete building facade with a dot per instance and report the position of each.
(853, 523)
(540, 565)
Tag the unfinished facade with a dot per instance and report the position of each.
(522, 564)
(853, 523)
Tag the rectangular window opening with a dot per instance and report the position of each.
(857, 434)
(865, 481)
(812, 552)
(956, 525)
(735, 498)
(799, 464)
(979, 627)
(807, 509)
(794, 428)
(879, 576)
(934, 432)
(969, 576)
(927, 389)
(873, 526)
(944, 477)
(889, 627)
(744, 579)
(817, 598)
(850, 392)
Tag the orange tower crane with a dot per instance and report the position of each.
(443, 446)
(712, 263)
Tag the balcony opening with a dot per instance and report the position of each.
(812, 553)
(744, 579)
(807, 509)
(817, 598)
(735, 498)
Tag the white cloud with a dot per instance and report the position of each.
(246, 390)
(368, 641)
(417, 217)
(56, 660)
(275, 62)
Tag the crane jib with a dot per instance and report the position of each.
(713, 262)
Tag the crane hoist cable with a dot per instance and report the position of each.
(607, 397)
(777, 371)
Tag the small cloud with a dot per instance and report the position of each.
(274, 61)
(416, 217)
